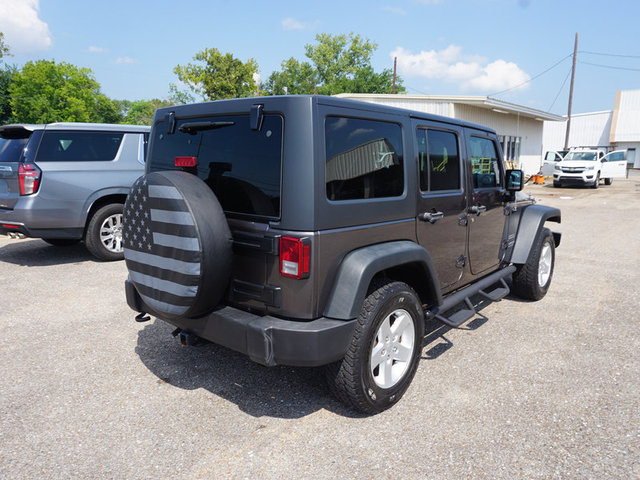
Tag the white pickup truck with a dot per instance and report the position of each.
(589, 166)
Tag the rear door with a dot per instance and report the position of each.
(486, 209)
(442, 203)
(614, 164)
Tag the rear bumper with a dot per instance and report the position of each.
(21, 221)
(265, 339)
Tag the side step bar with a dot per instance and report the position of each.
(463, 297)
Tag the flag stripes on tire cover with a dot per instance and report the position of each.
(177, 244)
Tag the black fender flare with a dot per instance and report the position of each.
(360, 266)
(531, 222)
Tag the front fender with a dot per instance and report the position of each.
(360, 266)
(532, 219)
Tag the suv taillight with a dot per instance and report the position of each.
(295, 257)
(29, 178)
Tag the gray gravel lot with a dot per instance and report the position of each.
(525, 390)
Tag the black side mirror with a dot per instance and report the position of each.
(514, 180)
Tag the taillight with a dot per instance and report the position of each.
(28, 178)
(185, 161)
(295, 257)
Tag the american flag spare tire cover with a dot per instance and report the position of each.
(177, 244)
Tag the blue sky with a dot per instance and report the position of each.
(444, 47)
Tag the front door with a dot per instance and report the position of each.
(614, 164)
(441, 226)
(486, 211)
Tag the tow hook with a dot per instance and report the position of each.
(186, 339)
(142, 317)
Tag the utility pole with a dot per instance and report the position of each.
(393, 89)
(573, 76)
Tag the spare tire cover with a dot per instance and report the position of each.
(177, 244)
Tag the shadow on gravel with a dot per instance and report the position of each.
(281, 392)
(38, 253)
(435, 341)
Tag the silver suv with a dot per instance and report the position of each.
(67, 182)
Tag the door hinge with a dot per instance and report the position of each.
(461, 261)
(463, 221)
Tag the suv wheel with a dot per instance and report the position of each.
(608, 181)
(532, 280)
(104, 233)
(384, 352)
(596, 182)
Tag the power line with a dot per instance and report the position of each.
(560, 91)
(534, 77)
(610, 54)
(611, 67)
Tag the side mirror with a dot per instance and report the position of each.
(514, 180)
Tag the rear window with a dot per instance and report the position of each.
(11, 149)
(364, 159)
(60, 146)
(242, 166)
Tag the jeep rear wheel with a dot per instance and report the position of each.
(531, 280)
(383, 355)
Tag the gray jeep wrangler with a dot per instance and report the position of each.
(310, 230)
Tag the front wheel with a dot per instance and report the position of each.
(104, 233)
(384, 352)
(596, 182)
(532, 280)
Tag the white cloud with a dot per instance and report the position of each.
(24, 31)
(293, 24)
(93, 49)
(125, 60)
(469, 72)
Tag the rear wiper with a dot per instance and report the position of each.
(192, 127)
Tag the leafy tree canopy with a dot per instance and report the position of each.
(4, 48)
(44, 92)
(338, 64)
(216, 76)
(140, 112)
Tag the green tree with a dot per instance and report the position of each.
(140, 112)
(6, 76)
(44, 92)
(338, 64)
(4, 48)
(217, 76)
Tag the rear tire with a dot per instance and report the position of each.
(608, 181)
(556, 184)
(531, 280)
(61, 242)
(104, 233)
(384, 352)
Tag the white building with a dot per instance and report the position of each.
(617, 129)
(519, 127)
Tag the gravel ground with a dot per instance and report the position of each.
(549, 389)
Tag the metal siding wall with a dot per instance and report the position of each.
(435, 108)
(587, 129)
(628, 121)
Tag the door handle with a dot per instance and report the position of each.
(478, 209)
(431, 217)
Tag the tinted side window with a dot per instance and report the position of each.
(78, 146)
(439, 160)
(364, 159)
(484, 163)
(242, 166)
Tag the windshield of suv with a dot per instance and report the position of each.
(589, 156)
(242, 166)
(11, 149)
